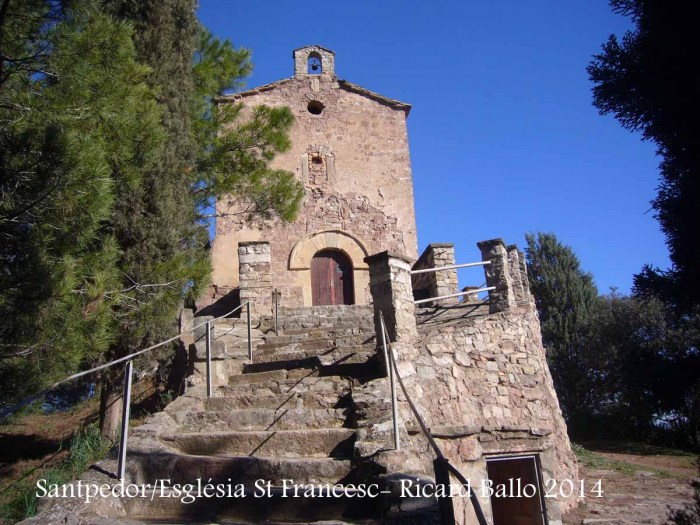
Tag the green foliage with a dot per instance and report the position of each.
(621, 365)
(648, 80)
(595, 461)
(74, 136)
(566, 295)
(235, 161)
(86, 447)
(110, 158)
(650, 378)
(566, 299)
(161, 229)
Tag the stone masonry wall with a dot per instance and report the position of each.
(435, 284)
(353, 159)
(486, 384)
(479, 378)
(255, 284)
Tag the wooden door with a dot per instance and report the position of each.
(331, 279)
(519, 507)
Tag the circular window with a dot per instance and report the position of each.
(315, 107)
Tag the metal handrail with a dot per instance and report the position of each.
(463, 292)
(28, 400)
(392, 382)
(450, 267)
(481, 518)
(126, 398)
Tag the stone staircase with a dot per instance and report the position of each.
(288, 415)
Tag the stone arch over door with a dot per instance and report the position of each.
(305, 249)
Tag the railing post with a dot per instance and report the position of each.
(126, 405)
(250, 340)
(442, 477)
(392, 381)
(208, 341)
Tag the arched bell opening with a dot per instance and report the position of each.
(314, 64)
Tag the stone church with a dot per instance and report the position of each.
(350, 149)
(307, 391)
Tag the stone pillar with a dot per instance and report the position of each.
(516, 275)
(525, 280)
(472, 297)
(254, 277)
(392, 294)
(186, 326)
(436, 284)
(497, 275)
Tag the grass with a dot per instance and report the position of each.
(18, 499)
(596, 461)
(57, 446)
(641, 449)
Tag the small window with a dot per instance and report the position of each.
(314, 66)
(315, 107)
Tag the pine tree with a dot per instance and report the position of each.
(649, 82)
(162, 230)
(163, 248)
(566, 299)
(74, 138)
(235, 162)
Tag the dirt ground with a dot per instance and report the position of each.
(639, 486)
(33, 443)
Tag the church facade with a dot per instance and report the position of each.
(350, 150)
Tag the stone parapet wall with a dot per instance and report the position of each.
(390, 285)
(484, 384)
(497, 275)
(435, 284)
(518, 271)
(479, 379)
(255, 279)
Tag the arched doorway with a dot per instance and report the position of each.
(331, 278)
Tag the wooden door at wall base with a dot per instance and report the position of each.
(331, 279)
(517, 498)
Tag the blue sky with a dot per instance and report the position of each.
(504, 138)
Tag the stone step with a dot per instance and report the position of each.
(284, 418)
(334, 323)
(233, 327)
(310, 359)
(337, 310)
(287, 400)
(238, 342)
(292, 336)
(277, 508)
(269, 376)
(309, 382)
(295, 326)
(297, 321)
(334, 442)
(186, 468)
(330, 341)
